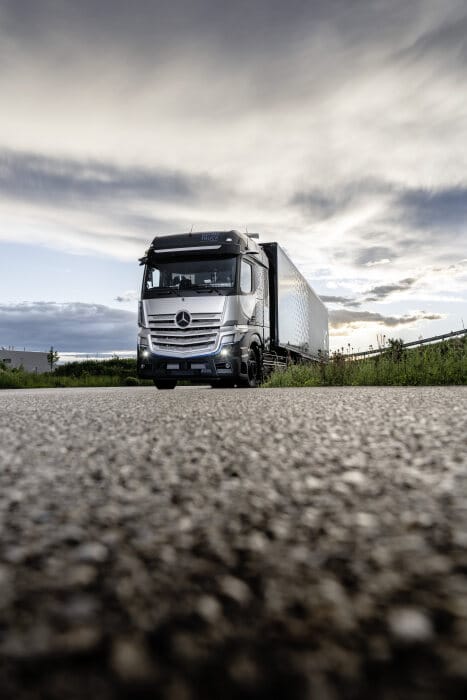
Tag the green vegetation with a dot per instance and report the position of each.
(52, 357)
(116, 366)
(442, 363)
(114, 372)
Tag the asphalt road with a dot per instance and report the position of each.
(197, 544)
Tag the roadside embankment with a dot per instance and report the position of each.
(443, 363)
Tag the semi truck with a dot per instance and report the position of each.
(221, 308)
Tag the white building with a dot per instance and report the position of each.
(30, 361)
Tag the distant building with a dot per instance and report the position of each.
(30, 361)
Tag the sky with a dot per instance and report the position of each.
(336, 127)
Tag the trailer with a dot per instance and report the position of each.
(299, 319)
(220, 307)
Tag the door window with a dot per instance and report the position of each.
(246, 278)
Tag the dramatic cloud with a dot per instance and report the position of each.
(34, 178)
(428, 209)
(339, 318)
(345, 301)
(337, 128)
(326, 202)
(447, 42)
(89, 327)
(382, 291)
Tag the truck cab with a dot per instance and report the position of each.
(204, 310)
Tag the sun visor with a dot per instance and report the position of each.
(195, 251)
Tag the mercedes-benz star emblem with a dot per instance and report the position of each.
(183, 319)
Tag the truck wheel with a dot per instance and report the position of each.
(165, 383)
(253, 369)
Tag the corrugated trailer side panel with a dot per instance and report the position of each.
(300, 318)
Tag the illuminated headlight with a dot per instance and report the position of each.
(225, 352)
(145, 353)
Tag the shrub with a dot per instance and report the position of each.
(442, 363)
(114, 366)
(131, 381)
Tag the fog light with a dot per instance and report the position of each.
(228, 365)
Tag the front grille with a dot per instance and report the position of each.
(200, 336)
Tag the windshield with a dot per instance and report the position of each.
(190, 276)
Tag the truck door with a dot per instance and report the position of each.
(262, 301)
(254, 297)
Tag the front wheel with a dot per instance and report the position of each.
(165, 383)
(253, 369)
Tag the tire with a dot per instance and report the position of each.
(253, 368)
(165, 383)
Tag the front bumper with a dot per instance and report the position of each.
(226, 364)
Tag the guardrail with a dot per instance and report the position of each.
(412, 344)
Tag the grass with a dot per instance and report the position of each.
(114, 372)
(442, 363)
(27, 380)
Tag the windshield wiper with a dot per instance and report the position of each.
(170, 290)
(200, 287)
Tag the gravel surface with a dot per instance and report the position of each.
(197, 544)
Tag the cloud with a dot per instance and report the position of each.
(319, 204)
(68, 327)
(326, 202)
(345, 301)
(35, 178)
(447, 42)
(154, 29)
(342, 317)
(95, 205)
(128, 296)
(445, 208)
(418, 222)
(374, 294)
(150, 22)
(383, 261)
(384, 290)
(374, 255)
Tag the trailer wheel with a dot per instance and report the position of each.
(165, 383)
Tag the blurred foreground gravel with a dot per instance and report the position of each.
(197, 544)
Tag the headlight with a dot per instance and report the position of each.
(145, 353)
(228, 339)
